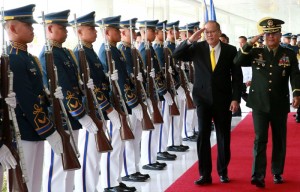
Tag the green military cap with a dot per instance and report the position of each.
(271, 25)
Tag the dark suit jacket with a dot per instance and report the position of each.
(219, 87)
(269, 87)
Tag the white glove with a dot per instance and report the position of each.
(191, 86)
(7, 160)
(87, 122)
(58, 93)
(55, 143)
(114, 118)
(152, 73)
(181, 93)
(138, 112)
(168, 98)
(170, 70)
(148, 103)
(11, 100)
(182, 67)
(114, 76)
(139, 77)
(90, 84)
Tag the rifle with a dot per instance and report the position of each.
(17, 178)
(173, 109)
(191, 72)
(184, 80)
(69, 157)
(156, 115)
(125, 130)
(102, 143)
(146, 121)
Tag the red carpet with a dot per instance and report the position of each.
(241, 162)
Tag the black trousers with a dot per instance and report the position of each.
(222, 120)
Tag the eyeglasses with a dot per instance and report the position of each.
(210, 32)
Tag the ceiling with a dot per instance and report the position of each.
(286, 10)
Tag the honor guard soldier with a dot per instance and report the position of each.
(158, 47)
(190, 116)
(86, 179)
(31, 108)
(132, 148)
(151, 139)
(294, 44)
(272, 67)
(286, 40)
(175, 138)
(111, 163)
(55, 178)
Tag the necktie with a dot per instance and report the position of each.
(212, 59)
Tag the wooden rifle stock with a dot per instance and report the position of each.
(125, 131)
(102, 143)
(15, 176)
(191, 72)
(146, 121)
(156, 115)
(184, 84)
(69, 158)
(173, 109)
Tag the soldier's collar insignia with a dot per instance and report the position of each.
(55, 44)
(87, 45)
(17, 45)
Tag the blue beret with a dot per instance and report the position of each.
(60, 18)
(110, 22)
(170, 25)
(160, 25)
(287, 35)
(149, 23)
(126, 24)
(23, 14)
(271, 25)
(87, 20)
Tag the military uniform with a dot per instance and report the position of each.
(151, 139)
(176, 126)
(111, 163)
(269, 99)
(87, 178)
(55, 177)
(31, 110)
(132, 151)
(190, 116)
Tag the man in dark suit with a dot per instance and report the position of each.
(216, 93)
(272, 67)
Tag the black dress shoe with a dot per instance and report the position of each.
(134, 178)
(147, 176)
(169, 154)
(152, 167)
(116, 189)
(204, 181)
(192, 138)
(224, 179)
(164, 157)
(176, 148)
(258, 180)
(277, 179)
(122, 185)
(160, 164)
(297, 119)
